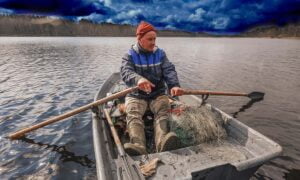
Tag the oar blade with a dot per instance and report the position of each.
(256, 95)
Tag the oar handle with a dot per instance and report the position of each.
(22, 132)
(200, 92)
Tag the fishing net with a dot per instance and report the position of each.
(195, 125)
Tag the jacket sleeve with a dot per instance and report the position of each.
(169, 72)
(127, 71)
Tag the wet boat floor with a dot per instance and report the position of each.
(182, 162)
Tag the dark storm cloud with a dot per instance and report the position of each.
(58, 7)
(189, 15)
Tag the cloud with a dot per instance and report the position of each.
(197, 16)
(188, 15)
(58, 7)
(4, 11)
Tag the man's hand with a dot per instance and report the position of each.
(145, 85)
(176, 91)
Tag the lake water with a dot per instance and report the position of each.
(43, 77)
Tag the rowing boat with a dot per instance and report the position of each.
(238, 156)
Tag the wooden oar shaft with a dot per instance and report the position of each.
(21, 132)
(132, 174)
(114, 133)
(198, 92)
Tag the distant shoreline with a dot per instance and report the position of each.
(39, 26)
(232, 37)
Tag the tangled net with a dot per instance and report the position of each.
(197, 125)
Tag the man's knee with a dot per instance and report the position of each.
(135, 109)
(160, 105)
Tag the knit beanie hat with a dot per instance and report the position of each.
(143, 28)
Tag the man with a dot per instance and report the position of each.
(147, 66)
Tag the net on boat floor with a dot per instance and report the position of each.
(195, 125)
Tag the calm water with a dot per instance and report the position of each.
(43, 77)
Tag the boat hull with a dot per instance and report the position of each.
(238, 157)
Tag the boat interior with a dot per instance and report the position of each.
(243, 149)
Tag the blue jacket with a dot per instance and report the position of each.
(154, 66)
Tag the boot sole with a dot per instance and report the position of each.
(170, 142)
(133, 151)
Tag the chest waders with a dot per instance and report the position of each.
(146, 65)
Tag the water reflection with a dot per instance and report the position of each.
(65, 154)
(247, 106)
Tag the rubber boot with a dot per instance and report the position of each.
(165, 140)
(169, 142)
(137, 145)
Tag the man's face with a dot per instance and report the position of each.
(148, 41)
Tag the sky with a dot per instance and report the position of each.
(219, 16)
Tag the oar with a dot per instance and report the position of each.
(22, 132)
(131, 169)
(253, 95)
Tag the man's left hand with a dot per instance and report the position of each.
(176, 91)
